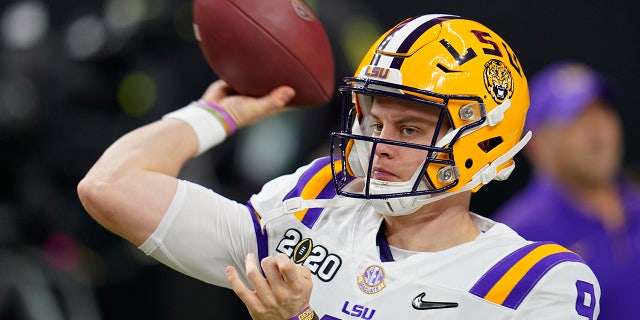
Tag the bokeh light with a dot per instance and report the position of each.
(137, 93)
(183, 22)
(85, 37)
(357, 36)
(120, 14)
(24, 24)
(259, 157)
(18, 102)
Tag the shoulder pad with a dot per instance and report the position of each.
(315, 183)
(510, 280)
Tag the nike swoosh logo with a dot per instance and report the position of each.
(420, 304)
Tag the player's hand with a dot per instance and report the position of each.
(247, 110)
(284, 292)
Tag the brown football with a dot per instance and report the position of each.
(257, 45)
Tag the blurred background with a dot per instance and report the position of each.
(76, 75)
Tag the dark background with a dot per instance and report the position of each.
(76, 75)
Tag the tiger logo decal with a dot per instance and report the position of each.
(498, 80)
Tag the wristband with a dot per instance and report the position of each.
(209, 128)
(306, 314)
(226, 117)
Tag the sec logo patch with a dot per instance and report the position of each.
(372, 280)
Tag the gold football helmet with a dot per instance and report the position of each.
(470, 75)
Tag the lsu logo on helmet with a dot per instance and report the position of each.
(498, 80)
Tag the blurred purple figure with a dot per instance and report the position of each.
(578, 195)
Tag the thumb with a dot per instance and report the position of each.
(282, 95)
(274, 102)
(276, 99)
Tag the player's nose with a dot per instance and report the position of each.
(386, 150)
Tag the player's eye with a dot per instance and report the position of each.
(376, 128)
(409, 131)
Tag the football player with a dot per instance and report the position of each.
(381, 228)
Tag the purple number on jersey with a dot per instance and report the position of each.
(585, 303)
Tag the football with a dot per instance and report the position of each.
(257, 45)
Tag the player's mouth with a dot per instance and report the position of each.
(379, 173)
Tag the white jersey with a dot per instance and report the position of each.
(356, 274)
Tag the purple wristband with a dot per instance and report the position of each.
(230, 124)
(306, 314)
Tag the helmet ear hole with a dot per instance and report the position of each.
(490, 144)
(469, 163)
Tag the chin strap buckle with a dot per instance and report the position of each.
(292, 205)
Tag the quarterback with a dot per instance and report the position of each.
(381, 227)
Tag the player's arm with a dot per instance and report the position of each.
(130, 187)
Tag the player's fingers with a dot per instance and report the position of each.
(272, 103)
(216, 91)
(281, 291)
(296, 277)
(279, 97)
(271, 271)
(245, 110)
(275, 101)
(259, 283)
(290, 272)
(245, 294)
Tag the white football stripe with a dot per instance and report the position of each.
(395, 40)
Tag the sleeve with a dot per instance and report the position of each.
(569, 290)
(201, 233)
